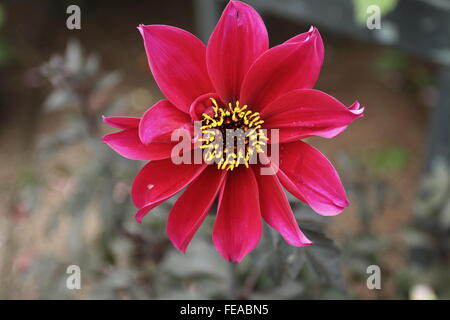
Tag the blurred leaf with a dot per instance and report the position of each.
(434, 190)
(415, 238)
(422, 78)
(108, 80)
(200, 274)
(287, 291)
(92, 65)
(51, 278)
(387, 159)
(201, 261)
(5, 51)
(324, 258)
(73, 57)
(296, 260)
(103, 91)
(71, 133)
(362, 251)
(367, 244)
(444, 217)
(360, 8)
(391, 60)
(2, 15)
(57, 100)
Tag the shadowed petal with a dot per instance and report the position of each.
(160, 121)
(127, 144)
(159, 180)
(203, 104)
(192, 207)
(177, 61)
(238, 227)
(306, 112)
(308, 175)
(281, 69)
(276, 211)
(122, 122)
(238, 39)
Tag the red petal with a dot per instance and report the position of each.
(177, 61)
(159, 180)
(122, 122)
(160, 121)
(281, 69)
(192, 207)
(304, 37)
(308, 175)
(305, 112)
(238, 39)
(127, 144)
(237, 228)
(277, 212)
(142, 212)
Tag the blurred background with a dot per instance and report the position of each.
(65, 196)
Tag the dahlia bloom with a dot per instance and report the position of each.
(235, 82)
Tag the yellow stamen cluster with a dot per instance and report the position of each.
(214, 130)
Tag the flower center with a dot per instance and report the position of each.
(226, 126)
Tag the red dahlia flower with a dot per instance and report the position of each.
(235, 82)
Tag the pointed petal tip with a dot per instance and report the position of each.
(300, 241)
(109, 139)
(330, 211)
(142, 212)
(147, 29)
(235, 4)
(144, 29)
(357, 109)
(313, 32)
(339, 207)
(232, 255)
(105, 138)
(179, 246)
(305, 242)
(121, 122)
(182, 249)
(140, 29)
(138, 218)
(106, 120)
(233, 259)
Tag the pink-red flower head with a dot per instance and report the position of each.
(235, 82)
